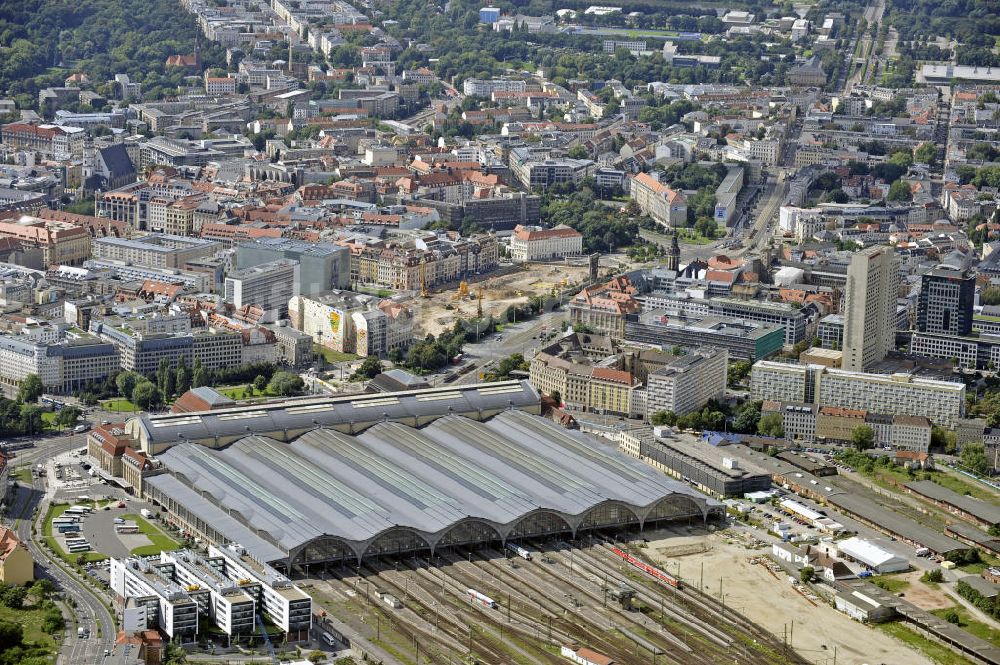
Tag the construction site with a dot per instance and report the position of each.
(490, 295)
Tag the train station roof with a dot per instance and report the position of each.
(275, 498)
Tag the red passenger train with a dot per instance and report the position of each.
(666, 578)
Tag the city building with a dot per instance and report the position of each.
(166, 605)
(267, 285)
(533, 243)
(665, 205)
(943, 402)
(296, 522)
(870, 307)
(707, 467)
(946, 300)
(911, 433)
(603, 308)
(740, 337)
(16, 565)
(154, 250)
(60, 242)
(226, 602)
(351, 322)
(322, 266)
(686, 383)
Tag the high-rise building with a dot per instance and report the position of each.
(269, 285)
(946, 299)
(870, 307)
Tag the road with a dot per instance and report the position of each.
(90, 612)
(516, 338)
(873, 19)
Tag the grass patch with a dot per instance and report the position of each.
(23, 474)
(692, 237)
(161, 541)
(30, 620)
(120, 404)
(937, 652)
(890, 584)
(331, 356)
(944, 478)
(971, 625)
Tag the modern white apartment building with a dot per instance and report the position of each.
(168, 607)
(226, 603)
(533, 243)
(771, 380)
(283, 604)
(870, 307)
(269, 285)
(942, 402)
(486, 87)
(688, 382)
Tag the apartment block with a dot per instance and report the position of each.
(282, 603)
(226, 603)
(946, 300)
(166, 605)
(156, 250)
(870, 307)
(688, 382)
(268, 285)
(665, 205)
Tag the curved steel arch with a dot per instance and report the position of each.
(545, 524)
(454, 536)
(605, 507)
(375, 547)
(348, 547)
(694, 507)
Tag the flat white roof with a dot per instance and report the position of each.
(868, 552)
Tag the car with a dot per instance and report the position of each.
(80, 429)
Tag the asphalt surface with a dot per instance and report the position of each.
(90, 613)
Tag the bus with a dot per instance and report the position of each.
(328, 638)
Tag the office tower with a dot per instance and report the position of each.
(946, 298)
(870, 307)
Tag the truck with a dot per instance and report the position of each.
(81, 632)
(147, 513)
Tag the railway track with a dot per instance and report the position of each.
(608, 618)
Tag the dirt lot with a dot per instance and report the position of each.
(922, 595)
(432, 315)
(773, 603)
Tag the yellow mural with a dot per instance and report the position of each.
(335, 322)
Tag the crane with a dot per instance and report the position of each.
(267, 640)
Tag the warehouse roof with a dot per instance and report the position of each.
(981, 510)
(286, 419)
(276, 498)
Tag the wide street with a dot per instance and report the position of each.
(88, 612)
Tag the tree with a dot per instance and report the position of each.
(13, 595)
(942, 439)
(30, 389)
(183, 377)
(68, 416)
(748, 418)
(556, 397)
(899, 191)
(146, 395)
(285, 384)
(316, 656)
(370, 368)
(951, 616)
(739, 370)
(974, 458)
(926, 153)
(125, 382)
(260, 383)
(174, 655)
(863, 438)
(169, 383)
(806, 574)
(200, 376)
(668, 418)
(31, 419)
(11, 635)
(771, 425)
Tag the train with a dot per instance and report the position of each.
(652, 571)
(522, 552)
(480, 598)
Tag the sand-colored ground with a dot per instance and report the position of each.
(771, 601)
(441, 309)
(922, 595)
